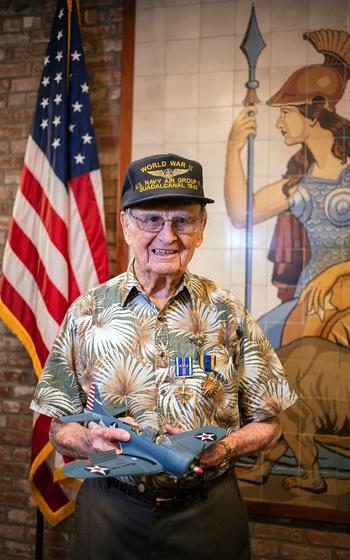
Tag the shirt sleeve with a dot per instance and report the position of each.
(264, 388)
(58, 392)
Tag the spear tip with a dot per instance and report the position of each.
(252, 43)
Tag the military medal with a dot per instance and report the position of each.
(207, 361)
(212, 382)
(183, 393)
(210, 386)
(183, 369)
(183, 366)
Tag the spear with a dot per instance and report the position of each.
(252, 45)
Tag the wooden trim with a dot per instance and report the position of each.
(326, 515)
(125, 127)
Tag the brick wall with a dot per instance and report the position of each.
(24, 29)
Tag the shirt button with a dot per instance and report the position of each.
(161, 354)
(164, 392)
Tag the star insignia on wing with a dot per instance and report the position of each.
(167, 173)
(98, 470)
(205, 436)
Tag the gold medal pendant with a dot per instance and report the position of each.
(210, 386)
(183, 393)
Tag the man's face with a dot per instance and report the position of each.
(167, 252)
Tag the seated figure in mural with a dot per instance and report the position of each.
(311, 243)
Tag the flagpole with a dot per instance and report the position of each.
(251, 46)
(39, 537)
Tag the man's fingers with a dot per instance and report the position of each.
(113, 434)
(172, 430)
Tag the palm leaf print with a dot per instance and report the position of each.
(52, 399)
(112, 328)
(198, 322)
(125, 379)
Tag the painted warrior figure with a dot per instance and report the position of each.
(310, 247)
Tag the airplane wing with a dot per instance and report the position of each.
(82, 417)
(197, 440)
(108, 463)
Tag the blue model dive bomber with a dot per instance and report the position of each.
(146, 452)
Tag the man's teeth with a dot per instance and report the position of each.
(164, 251)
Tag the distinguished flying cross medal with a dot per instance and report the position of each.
(183, 369)
(211, 384)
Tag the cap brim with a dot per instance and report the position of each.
(187, 198)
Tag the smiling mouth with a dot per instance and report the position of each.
(164, 252)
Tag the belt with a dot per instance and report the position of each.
(167, 497)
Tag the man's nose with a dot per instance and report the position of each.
(167, 232)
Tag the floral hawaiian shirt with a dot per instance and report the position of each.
(115, 335)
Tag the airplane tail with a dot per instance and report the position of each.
(93, 403)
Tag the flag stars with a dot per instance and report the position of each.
(60, 34)
(79, 159)
(86, 138)
(47, 60)
(84, 88)
(56, 143)
(44, 102)
(59, 56)
(58, 77)
(60, 15)
(76, 55)
(58, 99)
(71, 127)
(45, 81)
(44, 123)
(77, 107)
(56, 121)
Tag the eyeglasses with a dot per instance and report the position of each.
(155, 223)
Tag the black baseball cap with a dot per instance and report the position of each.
(163, 176)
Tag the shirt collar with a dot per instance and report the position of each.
(131, 286)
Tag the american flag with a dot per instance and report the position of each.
(56, 247)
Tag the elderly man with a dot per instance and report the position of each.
(129, 336)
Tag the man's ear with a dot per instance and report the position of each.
(200, 233)
(125, 222)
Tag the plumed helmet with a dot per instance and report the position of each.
(325, 81)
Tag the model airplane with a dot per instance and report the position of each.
(146, 452)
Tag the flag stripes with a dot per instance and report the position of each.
(56, 247)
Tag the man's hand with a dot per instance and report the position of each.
(106, 439)
(75, 440)
(211, 457)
